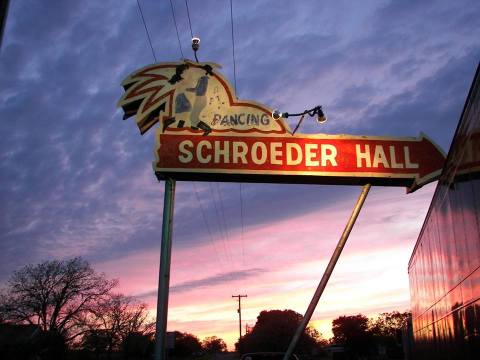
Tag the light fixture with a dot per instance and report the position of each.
(276, 114)
(317, 110)
(195, 46)
(321, 117)
(195, 43)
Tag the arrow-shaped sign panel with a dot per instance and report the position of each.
(302, 159)
(207, 133)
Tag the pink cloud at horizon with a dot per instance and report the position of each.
(284, 261)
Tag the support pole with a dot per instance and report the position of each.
(328, 271)
(164, 273)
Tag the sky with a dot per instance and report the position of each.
(76, 180)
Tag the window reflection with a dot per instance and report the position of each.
(444, 271)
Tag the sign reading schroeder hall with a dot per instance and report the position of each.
(205, 133)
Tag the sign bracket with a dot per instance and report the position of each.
(328, 271)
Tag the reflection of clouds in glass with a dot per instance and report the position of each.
(445, 267)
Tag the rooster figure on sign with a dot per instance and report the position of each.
(194, 98)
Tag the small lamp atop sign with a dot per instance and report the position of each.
(195, 43)
(195, 46)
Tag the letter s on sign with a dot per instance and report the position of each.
(185, 155)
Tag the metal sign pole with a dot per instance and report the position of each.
(328, 271)
(164, 273)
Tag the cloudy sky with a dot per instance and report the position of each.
(76, 180)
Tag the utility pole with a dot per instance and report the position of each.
(239, 310)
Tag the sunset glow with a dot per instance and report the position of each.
(370, 278)
(77, 180)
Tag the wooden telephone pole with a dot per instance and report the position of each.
(239, 310)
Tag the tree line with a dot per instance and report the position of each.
(59, 308)
(64, 309)
(54, 306)
(357, 335)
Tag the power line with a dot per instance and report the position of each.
(222, 208)
(235, 85)
(220, 227)
(146, 30)
(233, 50)
(176, 29)
(189, 21)
(206, 224)
(242, 223)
